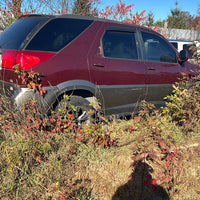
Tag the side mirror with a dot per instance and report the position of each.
(183, 56)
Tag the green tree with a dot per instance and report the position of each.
(83, 7)
(150, 19)
(177, 18)
(190, 20)
(160, 23)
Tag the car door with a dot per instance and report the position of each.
(117, 70)
(162, 67)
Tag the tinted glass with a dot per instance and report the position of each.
(57, 34)
(119, 45)
(157, 49)
(14, 36)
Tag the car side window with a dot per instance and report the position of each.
(118, 44)
(56, 34)
(157, 49)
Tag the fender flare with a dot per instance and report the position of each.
(53, 93)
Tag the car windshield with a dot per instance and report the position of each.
(14, 36)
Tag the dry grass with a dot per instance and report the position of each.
(84, 172)
(154, 159)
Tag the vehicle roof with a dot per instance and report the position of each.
(86, 18)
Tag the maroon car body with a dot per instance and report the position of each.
(118, 64)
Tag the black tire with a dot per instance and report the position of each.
(81, 105)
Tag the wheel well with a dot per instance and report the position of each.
(82, 93)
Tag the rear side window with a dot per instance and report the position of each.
(57, 34)
(119, 45)
(14, 36)
(157, 49)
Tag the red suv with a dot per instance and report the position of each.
(89, 58)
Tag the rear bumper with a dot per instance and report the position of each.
(18, 95)
(9, 90)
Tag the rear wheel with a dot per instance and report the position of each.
(76, 105)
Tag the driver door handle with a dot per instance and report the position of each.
(151, 68)
(98, 65)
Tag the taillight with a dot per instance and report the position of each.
(27, 61)
(24, 59)
(8, 59)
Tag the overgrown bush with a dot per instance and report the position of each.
(36, 149)
(51, 157)
(161, 152)
(183, 106)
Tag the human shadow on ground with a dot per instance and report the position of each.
(141, 186)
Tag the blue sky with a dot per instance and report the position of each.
(160, 8)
